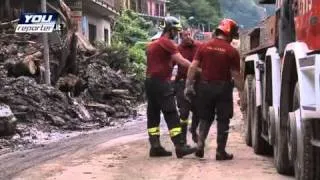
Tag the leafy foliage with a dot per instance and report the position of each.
(138, 61)
(117, 56)
(127, 49)
(130, 28)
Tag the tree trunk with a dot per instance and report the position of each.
(2, 8)
(46, 48)
(74, 42)
(8, 10)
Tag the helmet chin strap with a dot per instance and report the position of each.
(171, 35)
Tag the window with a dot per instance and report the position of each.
(139, 6)
(133, 5)
(106, 35)
(157, 9)
(162, 10)
(92, 33)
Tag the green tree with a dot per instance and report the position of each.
(130, 28)
(202, 11)
(129, 31)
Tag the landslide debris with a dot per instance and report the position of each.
(94, 97)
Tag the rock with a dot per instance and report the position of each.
(30, 50)
(8, 121)
(71, 83)
(12, 49)
(57, 121)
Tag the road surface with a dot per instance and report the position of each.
(122, 153)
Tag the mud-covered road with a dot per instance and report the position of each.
(122, 153)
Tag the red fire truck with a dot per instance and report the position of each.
(281, 98)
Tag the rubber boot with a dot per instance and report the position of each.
(221, 154)
(193, 128)
(182, 149)
(204, 128)
(156, 149)
(194, 135)
(184, 130)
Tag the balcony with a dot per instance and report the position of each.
(103, 7)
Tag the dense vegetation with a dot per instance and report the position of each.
(127, 50)
(196, 12)
(131, 32)
(246, 12)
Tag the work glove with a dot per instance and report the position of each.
(189, 91)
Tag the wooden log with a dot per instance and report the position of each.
(29, 66)
(66, 12)
(57, 10)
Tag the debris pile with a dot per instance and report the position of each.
(100, 94)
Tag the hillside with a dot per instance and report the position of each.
(246, 12)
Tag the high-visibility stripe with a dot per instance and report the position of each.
(175, 131)
(154, 131)
(184, 121)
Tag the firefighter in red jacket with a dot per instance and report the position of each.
(161, 54)
(219, 61)
(188, 49)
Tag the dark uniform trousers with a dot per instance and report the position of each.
(214, 97)
(161, 98)
(185, 107)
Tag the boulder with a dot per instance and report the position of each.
(8, 121)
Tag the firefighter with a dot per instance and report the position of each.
(160, 93)
(219, 61)
(188, 49)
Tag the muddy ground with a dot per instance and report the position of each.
(121, 153)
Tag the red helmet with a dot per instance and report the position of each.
(229, 27)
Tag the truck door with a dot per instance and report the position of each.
(307, 22)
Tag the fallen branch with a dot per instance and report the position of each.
(128, 97)
(24, 42)
(95, 55)
(8, 24)
(120, 92)
(84, 44)
(58, 11)
(66, 12)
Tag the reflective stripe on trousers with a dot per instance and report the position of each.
(185, 121)
(155, 131)
(175, 131)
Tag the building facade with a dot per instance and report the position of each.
(95, 18)
(155, 9)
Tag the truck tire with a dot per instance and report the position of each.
(248, 115)
(259, 145)
(302, 153)
(280, 151)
